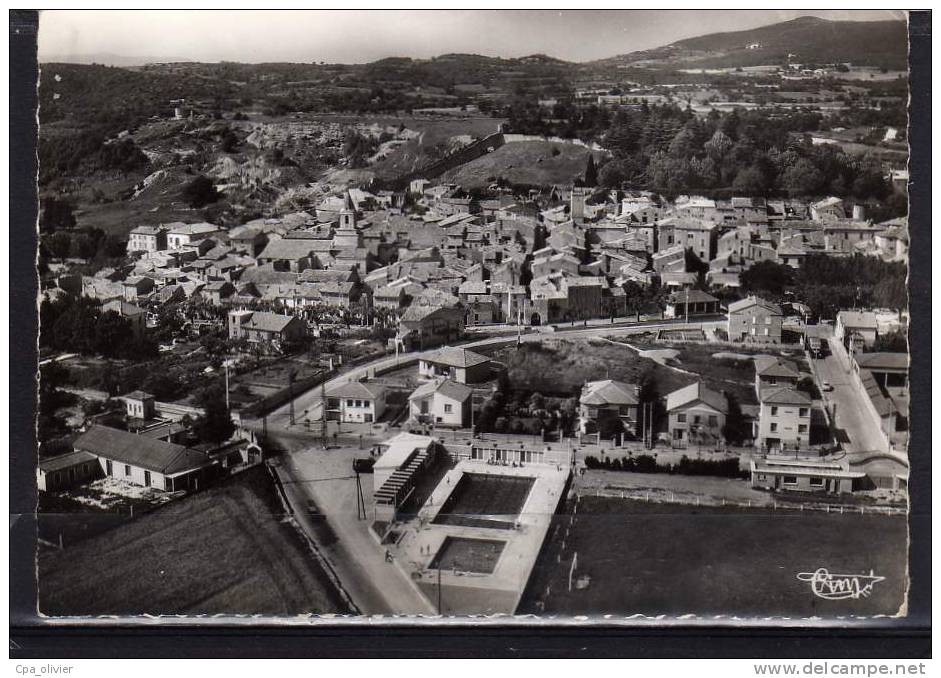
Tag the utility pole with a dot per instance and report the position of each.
(687, 306)
(323, 412)
(291, 394)
(226, 365)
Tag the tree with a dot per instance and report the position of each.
(802, 178)
(215, 426)
(735, 427)
(750, 181)
(55, 215)
(767, 277)
(718, 145)
(59, 245)
(112, 335)
(892, 342)
(200, 192)
(591, 173)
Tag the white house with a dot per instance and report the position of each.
(356, 403)
(784, 419)
(442, 403)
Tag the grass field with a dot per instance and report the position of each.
(225, 550)
(478, 494)
(676, 559)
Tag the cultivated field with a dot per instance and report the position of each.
(226, 550)
(676, 559)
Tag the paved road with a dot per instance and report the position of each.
(308, 404)
(376, 586)
(862, 431)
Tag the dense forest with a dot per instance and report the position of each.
(670, 150)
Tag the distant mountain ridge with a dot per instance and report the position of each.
(808, 39)
(811, 39)
(109, 59)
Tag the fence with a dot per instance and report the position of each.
(799, 507)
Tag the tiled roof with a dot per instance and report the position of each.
(140, 451)
(784, 395)
(357, 389)
(456, 357)
(882, 361)
(696, 392)
(608, 392)
(66, 460)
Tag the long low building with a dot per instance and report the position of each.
(146, 461)
(803, 475)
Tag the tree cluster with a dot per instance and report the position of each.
(79, 325)
(644, 463)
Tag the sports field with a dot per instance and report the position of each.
(226, 550)
(650, 559)
(484, 500)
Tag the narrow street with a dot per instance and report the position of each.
(861, 432)
(325, 476)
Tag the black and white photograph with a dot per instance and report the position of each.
(516, 316)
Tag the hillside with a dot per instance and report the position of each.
(808, 39)
(524, 162)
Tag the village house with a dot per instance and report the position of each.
(342, 294)
(669, 259)
(442, 402)
(180, 235)
(696, 415)
(356, 403)
(289, 254)
(249, 240)
(606, 403)
(510, 303)
(219, 292)
(145, 461)
(265, 327)
(456, 364)
(755, 320)
(773, 373)
(477, 302)
(690, 302)
(147, 239)
(139, 405)
(846, 236)
(697, 235)
(422, 327)
(784, 419)
(827, 209)
(861, 325)
(136, 287)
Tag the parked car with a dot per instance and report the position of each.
(826, 386)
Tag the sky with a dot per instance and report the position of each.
(125, 37)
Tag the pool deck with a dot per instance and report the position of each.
(423, 538)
